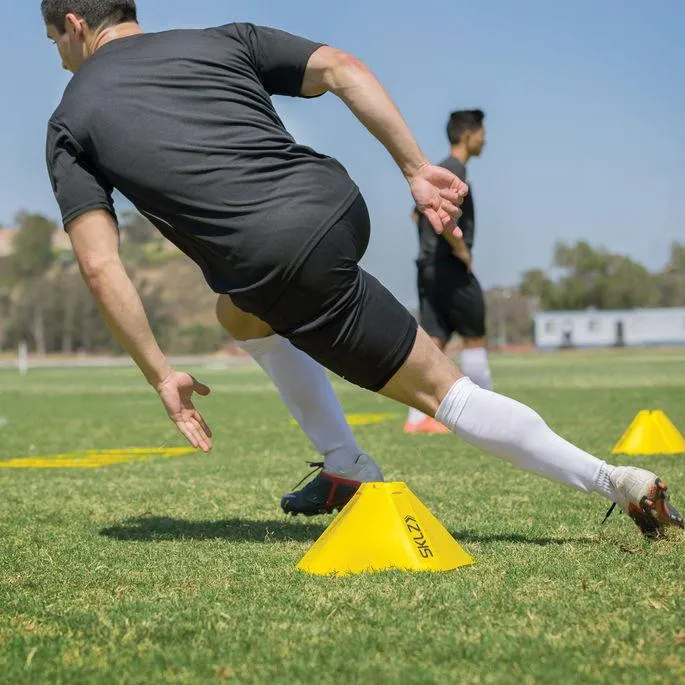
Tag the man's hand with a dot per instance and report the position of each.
(438, 194)
(176, 391)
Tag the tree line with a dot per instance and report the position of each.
(586, 277)
(44, 302)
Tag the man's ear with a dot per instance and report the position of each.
(73, 25)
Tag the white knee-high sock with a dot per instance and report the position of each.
(415, 416)
(474, 364)
(307, 392)
(512, 431)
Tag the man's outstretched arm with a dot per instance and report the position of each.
(96, 246)
(438, 192)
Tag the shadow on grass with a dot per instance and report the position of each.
(474, 536)
(162, 528)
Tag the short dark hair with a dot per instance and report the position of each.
(462, 121)
(97, 13)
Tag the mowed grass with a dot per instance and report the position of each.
(182, 570)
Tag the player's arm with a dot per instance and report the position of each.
(459, 248)
(95, 240)
(85, 200)
(437, 191)
(353, 82)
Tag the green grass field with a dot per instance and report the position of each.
(182, 570)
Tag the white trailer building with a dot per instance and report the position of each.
(611, 328)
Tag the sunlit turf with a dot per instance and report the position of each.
(182, 569)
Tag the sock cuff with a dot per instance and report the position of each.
(260, 346)
(474, 354)
(602, 484)
(455, 400)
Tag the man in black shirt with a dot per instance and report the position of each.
(183, 125)
(450, 297)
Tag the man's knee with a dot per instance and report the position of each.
(239, 324)
(471, 343)
(425, 377)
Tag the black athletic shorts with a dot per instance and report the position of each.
(336, 312)
(450, 300)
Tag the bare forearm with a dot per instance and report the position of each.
(359, 89)
(459, 248)
(122, 311)
(456, 243)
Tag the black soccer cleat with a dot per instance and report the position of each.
(328, 492)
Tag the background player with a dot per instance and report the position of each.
(450, 297)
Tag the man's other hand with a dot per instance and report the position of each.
(176, 391)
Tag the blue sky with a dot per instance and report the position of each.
(585, 106)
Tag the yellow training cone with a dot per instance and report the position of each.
(384, 526)
(651, 432)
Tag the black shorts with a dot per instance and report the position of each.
(336, 312)
(450, 301)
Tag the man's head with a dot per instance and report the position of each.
(74, 25)
(466, 129)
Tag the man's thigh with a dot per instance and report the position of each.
(240, 325)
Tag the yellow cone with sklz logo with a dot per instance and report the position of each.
(384, 526)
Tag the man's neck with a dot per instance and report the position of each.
(460, 153)
(129, 28)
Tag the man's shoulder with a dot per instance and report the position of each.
(455, 166)
(238, 30)
(59, 118)
(211, 40)
(75, 91)
(67, 112)
(69, 123)
(233, 28)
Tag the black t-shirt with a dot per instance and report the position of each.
(182, 124)
(433, 247)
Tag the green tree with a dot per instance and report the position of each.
(136, 229)
(671, 281)
(32, 252)
(537, 285)
(27, 269)
(590, 277)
